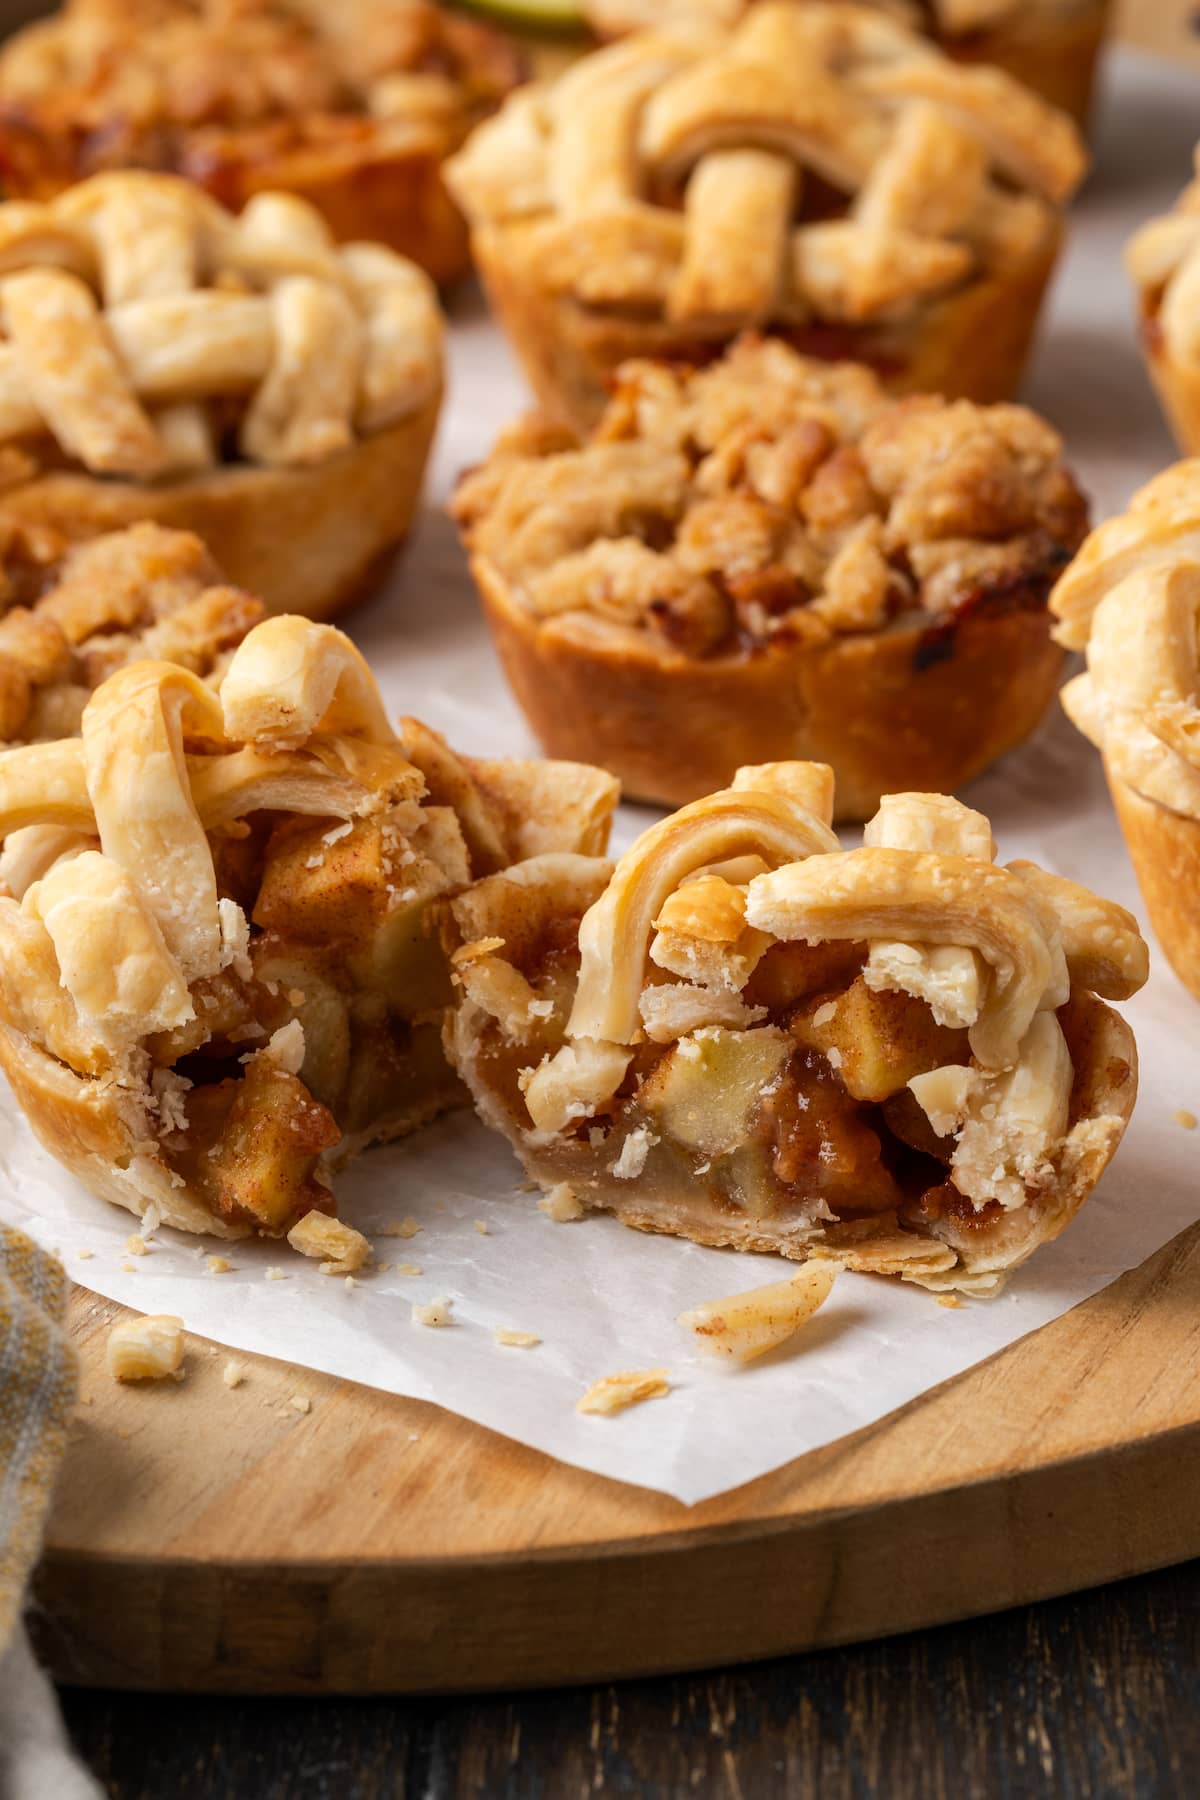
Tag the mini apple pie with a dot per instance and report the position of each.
(819, 170)
(217, 975)
(352, 106)
(1051, 45)
(1132, 600)
(896, 1056)
(71, 615)
(1164, 260)
(242, 378)
(769, 558)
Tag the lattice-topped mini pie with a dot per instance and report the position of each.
(894, 1056)
(1164, 261)
(71, 615)
(820, 169)
(769, 558)
(1050, 45)
(1132, 599)
(217, 975)
(353, 106)
(240, 377)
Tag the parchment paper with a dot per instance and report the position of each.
(602, 1298)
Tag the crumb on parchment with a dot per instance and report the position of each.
(516, 1340)
(400, 1228)
(218, 1265)
(1186, 1119)
(613, 1393)
(435, 1312)
(561, 1205)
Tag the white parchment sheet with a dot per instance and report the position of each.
(602, 1298)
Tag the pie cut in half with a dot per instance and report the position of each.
(819, 170)
(218, 977)
(1052, 46)
(1163, 259)
(73, 614)
(770, 558)
(1131, 600)
(353, 106)
(243, 378)
(897, 1056)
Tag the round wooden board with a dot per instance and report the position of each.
(219, 1540)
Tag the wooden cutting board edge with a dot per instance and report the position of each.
(196, 1547)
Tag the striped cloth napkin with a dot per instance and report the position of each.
(37, 1394)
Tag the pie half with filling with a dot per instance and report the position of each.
(769, 558)
(218, 978)
(898, 1056)
(244, 378)
(352, 106)
(1131, 600)
(819, 170)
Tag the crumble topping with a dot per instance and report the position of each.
(768, 496)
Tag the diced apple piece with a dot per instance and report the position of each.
(789, 973)
(314, 889)
(877, 1041)
(253, 1145)
(704, 1092)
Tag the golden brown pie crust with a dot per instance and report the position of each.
(353, 111)
(973, 344)
(309, 540)
(932, 705)
(1164, 848)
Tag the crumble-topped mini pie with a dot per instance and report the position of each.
(352, 106)
(893, 1056)
(243, 378)
(768, 558)
(71, 615)
(1132, 599)
(819, 170)
(217, 975)
(1164, 260)
(1051, 45)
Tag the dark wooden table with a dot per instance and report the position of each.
(1094, 1697)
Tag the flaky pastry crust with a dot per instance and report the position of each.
(896, 1057)
(1052, 46)
(240, 377)
(1132, 600)
(766, 559)
(218, 974)
(1163, 259)
(72, 614)
(351, 107)
(818, 170)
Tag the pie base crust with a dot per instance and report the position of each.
(673, 728)
(1104, 1090)
(972, 344)
(1164, 848)
(307, 540)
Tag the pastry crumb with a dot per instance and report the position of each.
(218, 1265)
(613, 1393)
(481, 1226)
(348, 1283)
(300, 1403)
(129, 1268)
(436, 1312)
(951, 1300)
(275, 1274)
(137, 1246)
(233, 1374)
(146, 1349)
(343, 1248)
(409, 1269)
(746, 1325)
(516, 1340)
(85, 1255)
(561, 1204)
(403, 1228)
(1186, 1119)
